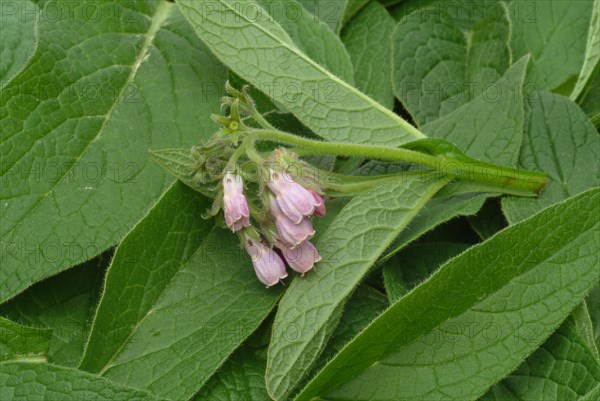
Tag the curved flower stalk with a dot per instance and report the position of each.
(269, 200)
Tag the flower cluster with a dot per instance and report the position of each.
(286, 229)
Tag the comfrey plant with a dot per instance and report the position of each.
(267, 196)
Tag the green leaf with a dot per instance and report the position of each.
(562, 369)
(77, 123)
(311, 36)
(585, 328)
(489, 220)
(439, 210)
(43, 381)
(437, 67)
(363, 306)
(143, 265)
(489, 128)
(560, 141)
(415, 264)
(19, 20)
(372, 64)
(593, 395)
(349, 247)
(261, 52)
(330, 12)
(496, 296)
(555, 33)
(64, 303)
(593, 304)
(242, 377)
(178, 299)
(23, 342)
(591, 63)
(352, 8)
(590, 102)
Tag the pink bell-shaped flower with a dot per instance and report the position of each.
(301, 258)
(268, 265)
(291, 233)
(295, 201)
(235, 206)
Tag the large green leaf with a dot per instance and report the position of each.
(561, 141)
(260, 51)
(64, 303)
(179, 298)
(448, 338)
(77, 123)
(144, 264)
(18, 30)
(554, 33)
(437, 67)
(242, 377)
(311, 36)
(372, 64)
(21, 381)
(489, 128)
(591, 64)
(23, 342)
(562, 369)
(350, 246)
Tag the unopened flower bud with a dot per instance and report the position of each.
(320, 209)
(235, 205)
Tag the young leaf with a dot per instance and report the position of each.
(497, 296)
(23, 342)
(303, 28)
(560, 141)
(562, 369)
(64, 303)
(18, 36)
(372, 64)
(260, 51)
(77, 123)
(555, 33)
(43, 381)
(591, 63)
(350, 246)
(178, 299)
(437, 67)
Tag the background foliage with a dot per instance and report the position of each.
(113, 287)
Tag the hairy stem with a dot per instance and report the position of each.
(521, 181)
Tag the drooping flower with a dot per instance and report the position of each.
(268, 265)
(301, 258)
(295, 201)
(290, 232)
(235, 205)
(320, 209)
